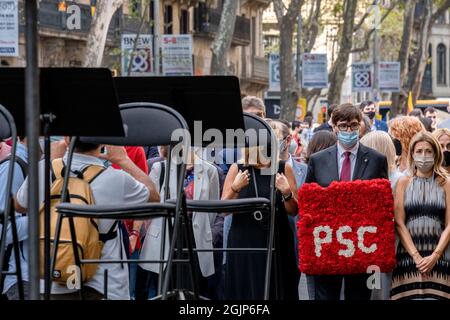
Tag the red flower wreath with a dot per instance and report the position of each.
(359, 216)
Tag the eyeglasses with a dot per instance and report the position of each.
(352, 126)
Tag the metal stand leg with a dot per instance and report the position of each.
(192, 261)
(73, 236)
(16, 247)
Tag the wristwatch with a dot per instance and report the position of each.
(288, 197)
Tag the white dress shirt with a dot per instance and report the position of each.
(341, 157)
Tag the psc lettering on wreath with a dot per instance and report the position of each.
(346, 227)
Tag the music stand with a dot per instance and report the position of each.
(74, 102)
(199, 98)
(214, 100)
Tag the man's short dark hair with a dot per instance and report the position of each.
(309, 120)
(430, 110)
(330, 109)
(295, 124)
(346, 112)
(427, 122)
(416, 113)
(285, 122)
(365, 103)
(85, 146)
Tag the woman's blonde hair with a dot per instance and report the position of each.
(439, 133)
(439, 171)
(280, 128)
(381, 142)
(255, 156)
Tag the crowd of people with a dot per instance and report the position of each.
(412, 152)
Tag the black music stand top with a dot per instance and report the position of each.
(214, 100)
(83, 101)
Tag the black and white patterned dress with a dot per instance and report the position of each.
(424, 202)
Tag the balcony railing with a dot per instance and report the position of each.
(131, 25)
(51, 19)
(206, 22)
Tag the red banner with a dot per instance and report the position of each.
(346, 228)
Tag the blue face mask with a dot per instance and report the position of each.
(348, 139)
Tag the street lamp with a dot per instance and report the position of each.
(62, 6)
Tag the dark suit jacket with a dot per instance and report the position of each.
(324, 126)
(323, 166)
(381, 125)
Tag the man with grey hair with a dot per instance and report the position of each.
(254, 105)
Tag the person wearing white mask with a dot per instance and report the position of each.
(422, 213)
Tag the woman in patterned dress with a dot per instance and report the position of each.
(422, 216)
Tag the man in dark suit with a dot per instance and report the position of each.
(369, 109)
(347, 160)
(327, 125)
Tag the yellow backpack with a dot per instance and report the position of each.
(87, 234)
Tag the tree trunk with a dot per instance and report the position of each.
(136, 40)
(398, 98)
(339, 68)
(421, 54)
(288, 85)
(95, 46)
(222, 41)
(309, 36)
(311, 30)
(286, 19)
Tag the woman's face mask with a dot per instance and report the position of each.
(424, 163)
(423, 156)
(282, 144)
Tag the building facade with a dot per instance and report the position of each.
(201, 19)
(62, 44)
(436, 81)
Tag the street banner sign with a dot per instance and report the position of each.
(9, 28)
(361, 77)
(347, 227)
(177, 55)
(273, 107)
(301, 109)
(389, 76)
(142, 64)
(274, 72)
(314, 70)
